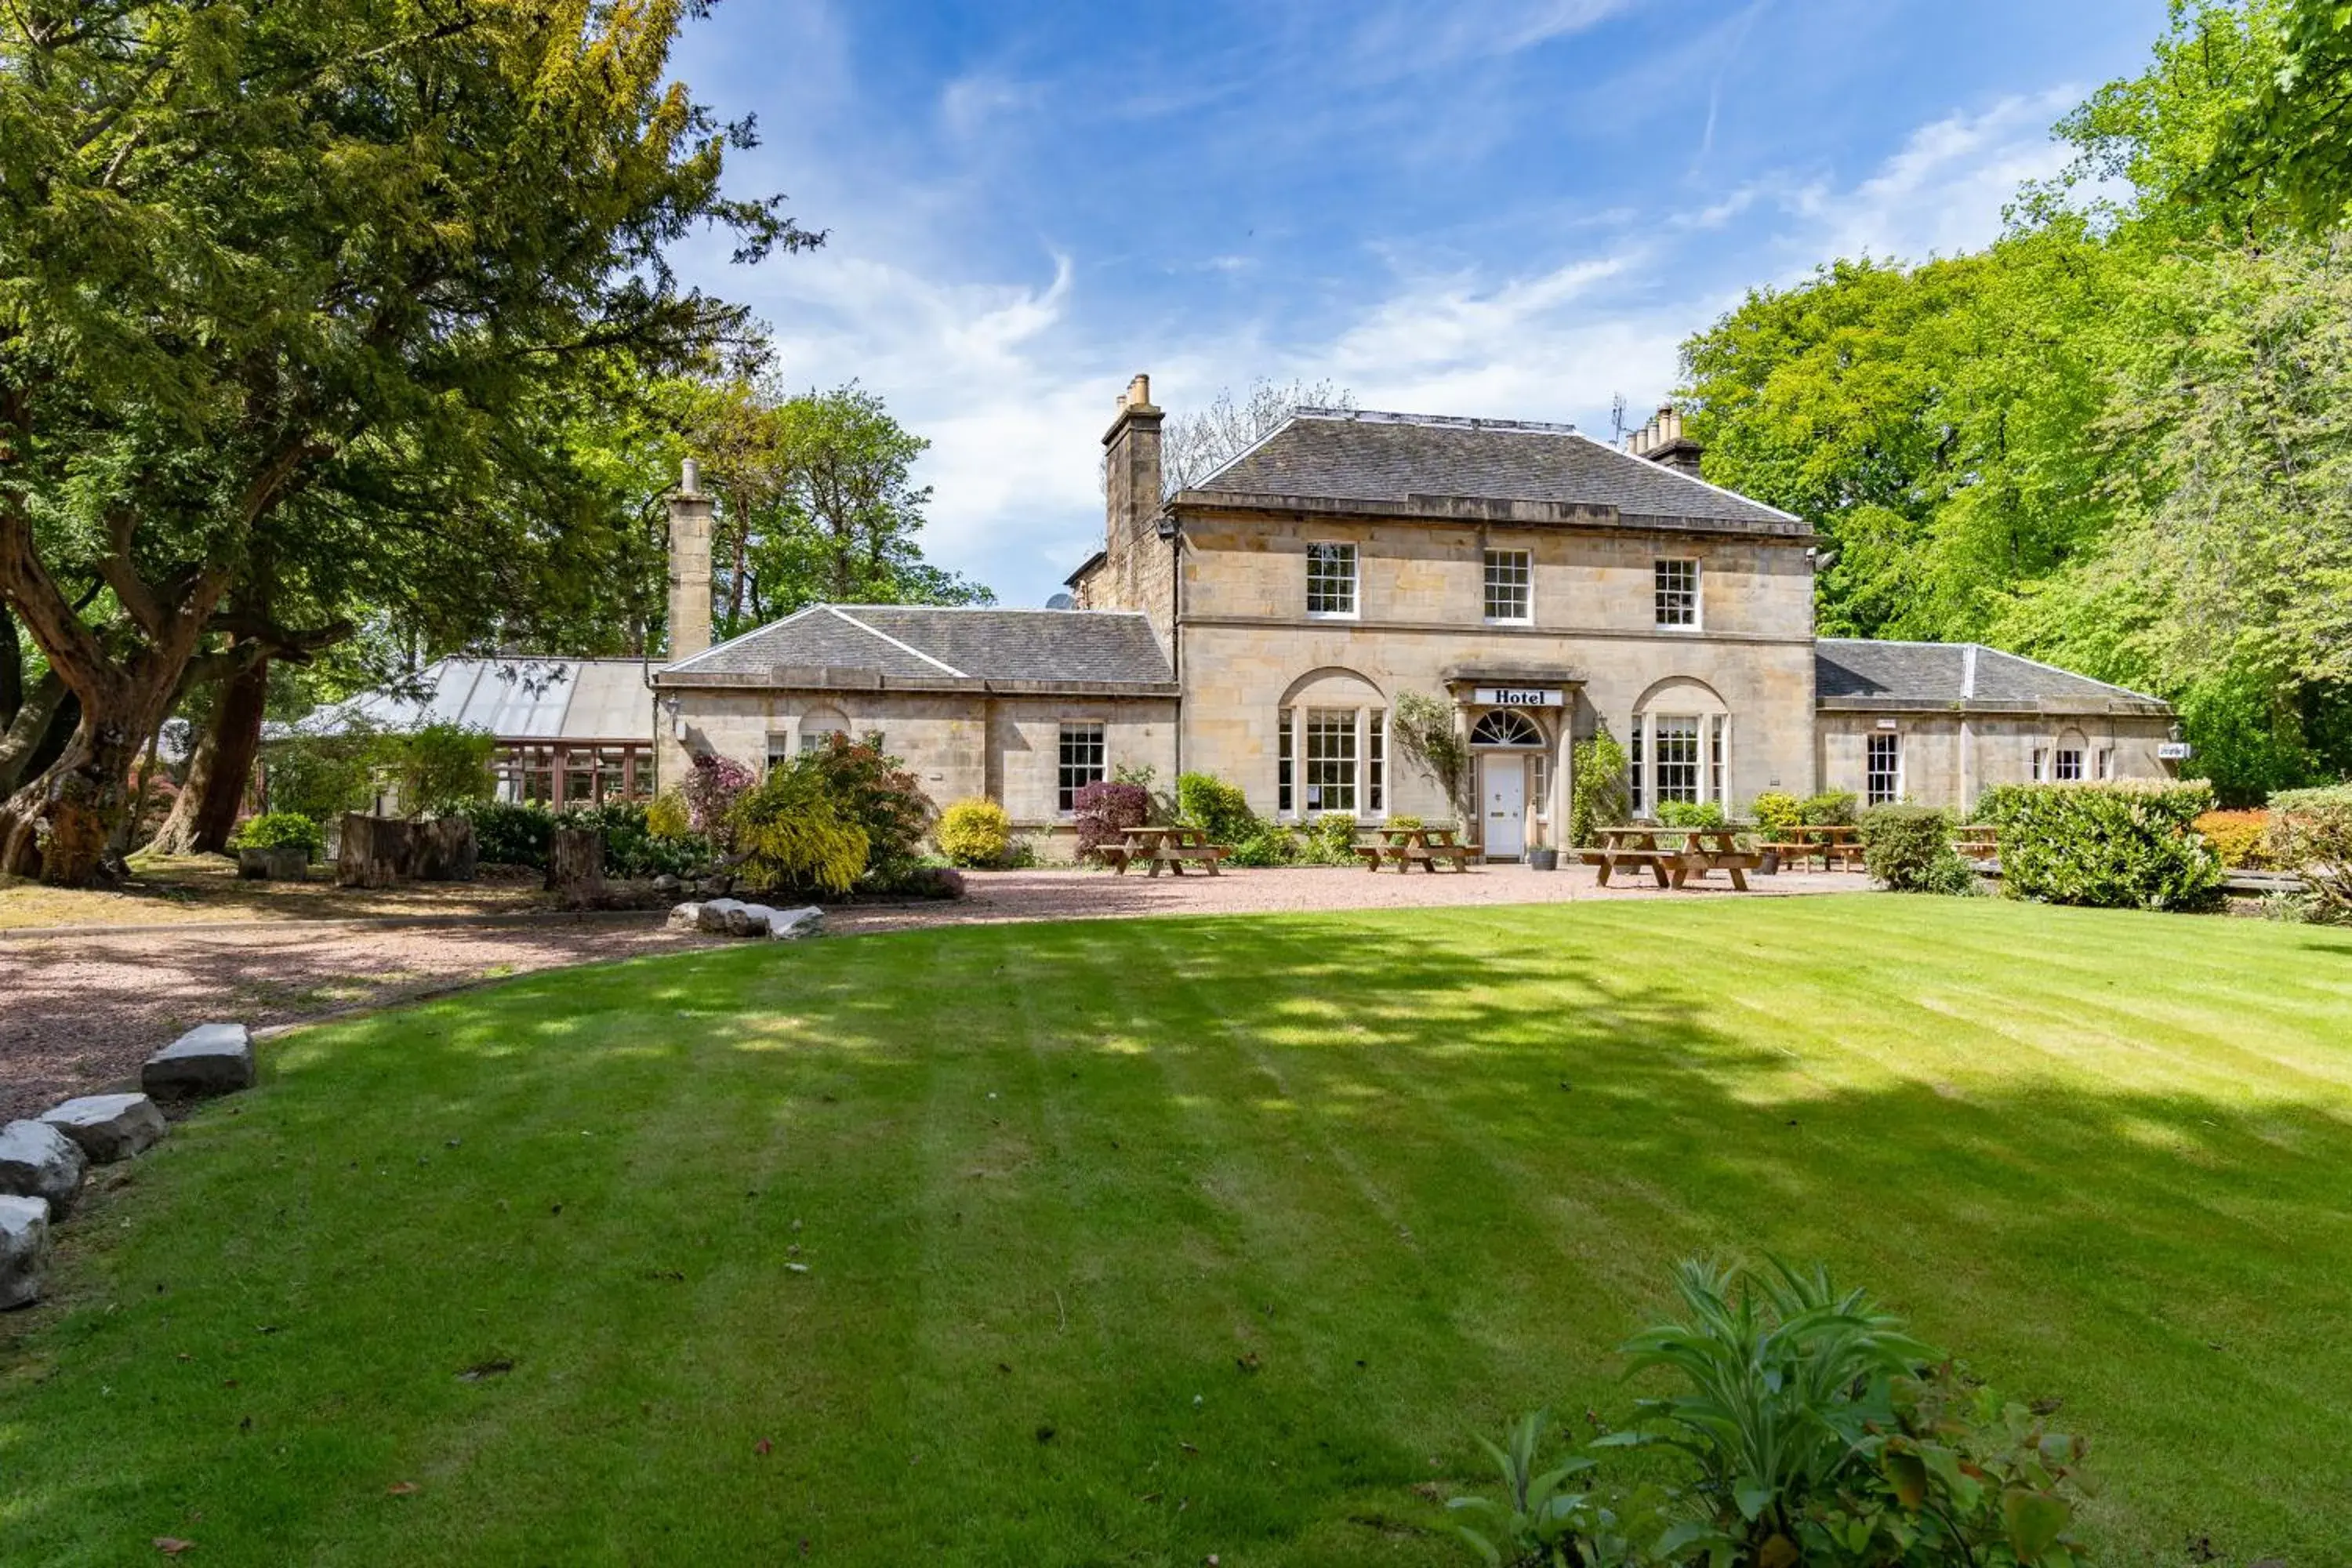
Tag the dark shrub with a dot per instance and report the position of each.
(631, 847)
(1105, 813)
(2113, 846)
(1208, 802)
(1266, 843)
(1599, 799)
(876, 792)
(510, 833)
(1909, 849)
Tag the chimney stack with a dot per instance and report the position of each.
(689, 566)
(1131, 465)
(1661, 441)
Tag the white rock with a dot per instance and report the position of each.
(108, 1127)
(37, 1161)
(24, 1250)
(686, 917)
(746, 920)
(787, 925)
(211, 1059)
(710, 916)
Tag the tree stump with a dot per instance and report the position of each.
(374, 851)
(442, 850)
(575, 866)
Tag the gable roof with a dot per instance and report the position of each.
(520, 697)
(1433, 464)
(935, 646)
(1864, 673)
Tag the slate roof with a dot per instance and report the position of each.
(1408, 459)
(936, 645)
(520, 698)
(1853, 672)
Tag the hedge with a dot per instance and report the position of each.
(2110, 845)
(1908, 849)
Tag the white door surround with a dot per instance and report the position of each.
(1503, 805)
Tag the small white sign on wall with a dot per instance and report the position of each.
(2173, 751)
(1517, 697)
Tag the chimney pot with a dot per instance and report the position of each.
(1139, 393)
(689, 478)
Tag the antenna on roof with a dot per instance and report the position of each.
(1617, 420)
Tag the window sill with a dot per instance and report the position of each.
(1335, 614)
(1511, 620)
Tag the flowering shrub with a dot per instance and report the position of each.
(2239, 837)
(711, 791)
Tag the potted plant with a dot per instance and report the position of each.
(1543, 857)
(277, 846)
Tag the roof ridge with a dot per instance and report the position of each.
(1442, 421)
(2061, 669)
(1689, 479)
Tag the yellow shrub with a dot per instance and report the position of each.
(666, 816)
(2240, 838)
(975, 832)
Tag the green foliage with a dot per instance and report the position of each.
(298, 300)
(1423, 730)
(631, 847)
(438, 768)
(280, 830)
(1908, 849)
(1690, 813)
(2311, 830)
(2121, 845)
(975, 833)
(1331, 841)
(2282, 155)
(510, 832)
(1597, 796)
(864, 788)
(320, 776)
(1267, 844)
(1778, 812)
(794, 833)
(1832, 808)
(1220, 809)
(1808, 1427)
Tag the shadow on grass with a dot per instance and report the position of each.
(1144, 1242)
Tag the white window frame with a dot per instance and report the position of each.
(1376, 762)
(1517, 569)
(2066, 766)
(1637, 757)
(1659, 591)
(1284, 766)
(782, 747)
(1696, 762)
(1321, 552)
(2040, 770)
(1082, 730)
(1325, 775)
(1871, 771)
(2106, 760)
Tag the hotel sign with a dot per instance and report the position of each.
(2173, 751)
(1517, 697)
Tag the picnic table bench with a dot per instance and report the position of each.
(1699, 851)
(1173, 848)
(1837, 848)
(1405, 847)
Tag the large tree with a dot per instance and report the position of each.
(294, 290)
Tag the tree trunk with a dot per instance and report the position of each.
(60, 826)
(373, 852)
(12, 668)
(575, 866)
(31, 743)
(206, 814)
(442, 850)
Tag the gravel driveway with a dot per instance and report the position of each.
(79, 1012)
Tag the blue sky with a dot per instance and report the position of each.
(1511, 208)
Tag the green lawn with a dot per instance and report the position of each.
(1137, 1242)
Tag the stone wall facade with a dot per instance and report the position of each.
(1949, 758)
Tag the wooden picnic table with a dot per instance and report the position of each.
(1173, 848)
(1405, 847)
(1699, 851)
(1836, 846)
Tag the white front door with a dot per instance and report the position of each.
(1506, 794)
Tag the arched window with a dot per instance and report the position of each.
(1332, 745)
(1503, 727)
(1679, 747)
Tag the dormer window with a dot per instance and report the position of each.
(1677, 592)
(1331, 580)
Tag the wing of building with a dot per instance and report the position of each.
(1265, 625)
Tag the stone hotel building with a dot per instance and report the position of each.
(1262, 626)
